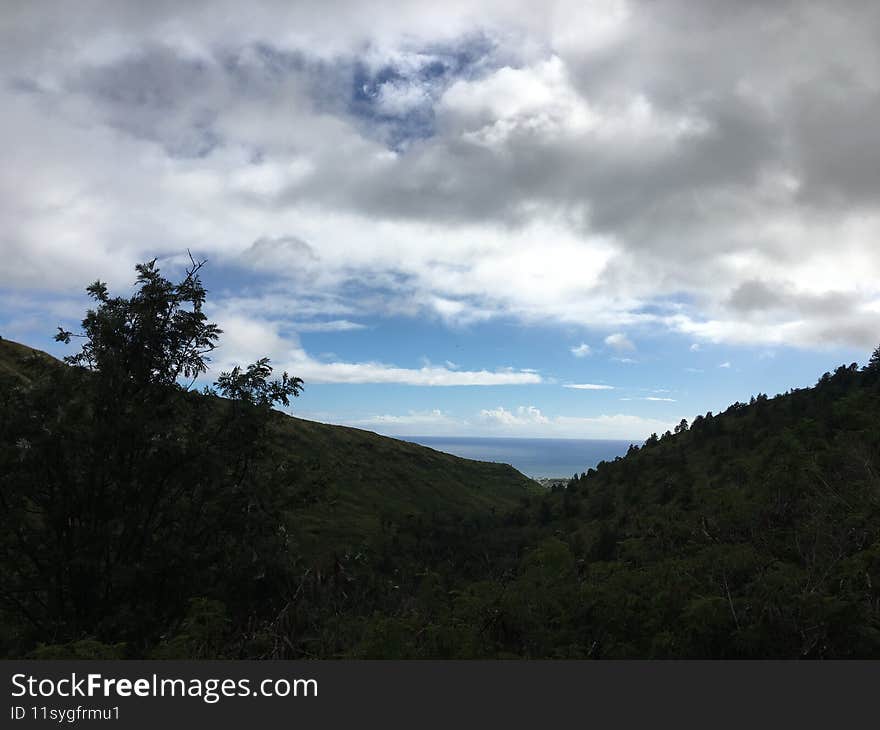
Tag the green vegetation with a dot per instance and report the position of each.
(144, 519)
(137, 510)
(18, 363)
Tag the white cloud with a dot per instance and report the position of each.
(541, 103)
(614, 426)
(588, 386)
(522, 421)
(245, 339)
(724, 365)
(529, 421)
(693, 184)
(313, 371)
(620, 342)
(412, 421)
(522, 416)
(581, 350)
(335, 325)
(695, 347)
(657, 398)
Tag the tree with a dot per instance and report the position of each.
(155, 337)
(252, 386)
(874, 362)
(130, 493)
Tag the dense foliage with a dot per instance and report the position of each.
(123, 493)
(754, 533)
(144, 519)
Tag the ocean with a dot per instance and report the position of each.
(536, 458)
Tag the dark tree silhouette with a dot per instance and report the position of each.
(129, 493)
(874, 361)
(155, 337)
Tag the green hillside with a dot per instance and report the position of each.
(17, 360)
(753, 533)
(142, 519)
(345, 481)
(121, 511)
(348, 481)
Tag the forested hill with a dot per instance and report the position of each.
(349, 484)
(246, 533)
(753, 533)
(342, 481)
(126, 503)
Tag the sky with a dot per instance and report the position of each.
(476, 218)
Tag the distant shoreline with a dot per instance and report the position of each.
(539, 459)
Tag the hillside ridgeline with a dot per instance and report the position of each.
(226, 498)
(143, 519)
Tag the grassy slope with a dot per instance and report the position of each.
(14, 359)
(346, 480)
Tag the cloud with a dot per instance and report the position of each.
(588, 386)
(246, 339)
(313, 371)
(754, 295)
(530, 421)
(581, 350)
(620, 342)
(695, 347)
(611, 426)
(725, 365)
(522, 416)
(521, 421)
(625, 165)
(334, 325)
(289, 252)
(412, 417)
(434, 419)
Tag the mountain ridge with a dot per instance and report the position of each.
(753, 533)
(346, 471)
